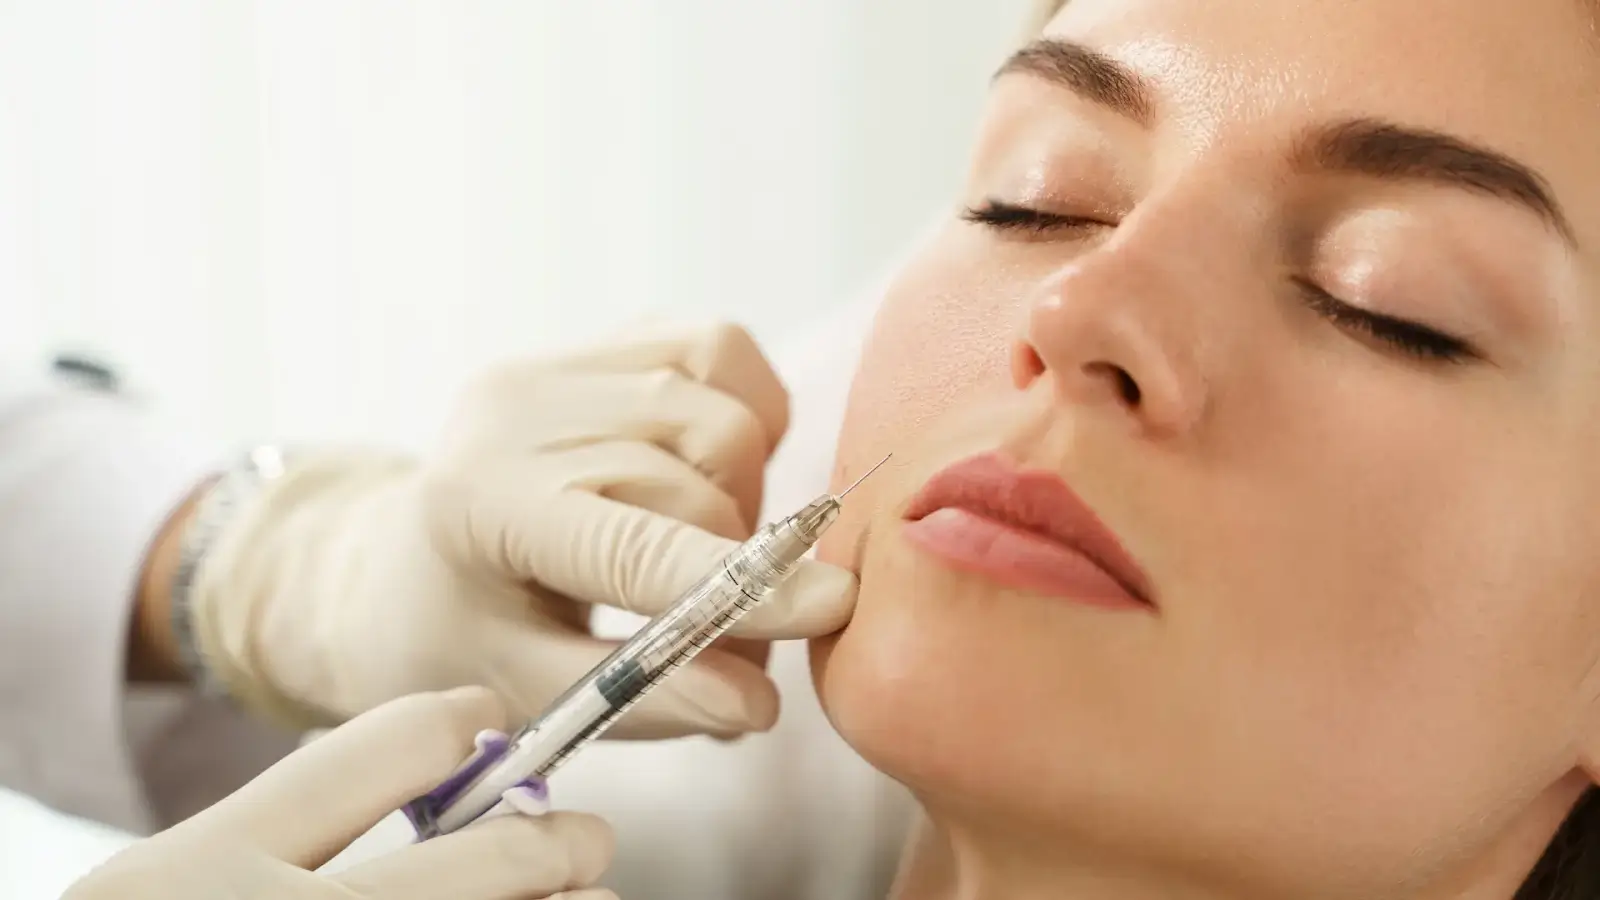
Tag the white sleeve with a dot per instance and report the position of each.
(86, 481)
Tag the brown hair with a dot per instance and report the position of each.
(1570, 866)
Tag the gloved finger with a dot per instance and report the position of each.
(610, 553)
(717, 693)
(506, 506)
(599, 551)
(722, 356)
(714, 432)
(506, 858)
(651, 478)
(313, 803)
(757, 652)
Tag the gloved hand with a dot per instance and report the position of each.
(268, 839)
(618, 476)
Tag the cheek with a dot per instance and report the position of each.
(923, 682)
(929, 347)
(945, 329)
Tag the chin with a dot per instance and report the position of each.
(923, 682)
(1041, 715)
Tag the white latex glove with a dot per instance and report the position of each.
(618, 476)
(268, 839)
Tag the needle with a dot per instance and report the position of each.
(852, 487)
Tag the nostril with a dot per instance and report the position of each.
(1128, 387)
(1026, 365)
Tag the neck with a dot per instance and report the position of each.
(952, 862)
(948, 858)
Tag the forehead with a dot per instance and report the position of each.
(1521, 76)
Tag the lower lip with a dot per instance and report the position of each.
(1017, 558)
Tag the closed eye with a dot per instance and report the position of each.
(1410, 338)
(1008, 217)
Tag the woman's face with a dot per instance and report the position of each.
(1298, 298)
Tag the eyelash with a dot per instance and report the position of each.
(1409, 338)
(1007, 217)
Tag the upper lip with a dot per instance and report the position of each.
(1033, 500)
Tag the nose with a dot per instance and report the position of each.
(1115, 331)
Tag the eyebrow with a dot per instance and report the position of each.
(1386, 150)
(1088, 73)
(1361, 146)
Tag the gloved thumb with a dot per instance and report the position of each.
(629, 557)
(319, 799)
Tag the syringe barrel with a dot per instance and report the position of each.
(587, 709)
(702, 614)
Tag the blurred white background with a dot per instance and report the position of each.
(308, 218)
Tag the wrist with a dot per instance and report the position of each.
(203, 586)
(153, 655)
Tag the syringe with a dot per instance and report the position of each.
(704, 613)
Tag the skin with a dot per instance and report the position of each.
(1373, 668)
(152, 650)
